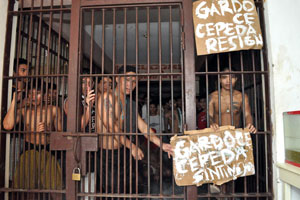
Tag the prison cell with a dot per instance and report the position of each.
(153, 38)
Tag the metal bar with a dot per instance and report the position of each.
(148, 99)
(230, 185)
(207, 92)
(125, 107)
(132, 196)
(267, 109)
(129, 3)
(101, 123)
(219, 91)
(17, 64)
(119, 133)
(37, 69)
(36, 76)
(72, 93)
(47, 91)
(189, 71)
(232, 72)
(113, 81)
(107, 98)
(137, 89)
(29, 58)
(130, 138)
(128, 75)
(182, 83)
(171, 66)
(160, 107)
(91, 67)
(32, 190)
(256, 124)
(43, 45)
(243, 105)
(38, 11)
(207, 104)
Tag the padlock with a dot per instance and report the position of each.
(76, 174)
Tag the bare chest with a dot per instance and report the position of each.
(226, 106)
(35, 116)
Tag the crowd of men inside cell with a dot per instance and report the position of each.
(109, 107)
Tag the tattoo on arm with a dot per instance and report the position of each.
(110, 109)
(211, 120)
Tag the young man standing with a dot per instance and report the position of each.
(172, 122)
(114, 116)
(88, 119)
(226, 109)
(155, 121)
(38, 118)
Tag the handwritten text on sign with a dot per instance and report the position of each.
(226, 25)
(212, 157)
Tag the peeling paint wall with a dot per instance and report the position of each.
(3, 17)
(283, 37)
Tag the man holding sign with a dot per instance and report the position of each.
(226, 110)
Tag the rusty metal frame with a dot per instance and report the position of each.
(144, 4)
(188, 85)
(42, 193)
(262, 188)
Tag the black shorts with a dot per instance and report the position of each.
(112, 171)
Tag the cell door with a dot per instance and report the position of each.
(35, 87)
(130, 78)
(62, 71)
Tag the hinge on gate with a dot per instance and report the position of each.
(183, 40)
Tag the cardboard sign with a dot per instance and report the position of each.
(205, 156)
(226, 25)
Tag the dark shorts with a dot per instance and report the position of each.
(113, 170)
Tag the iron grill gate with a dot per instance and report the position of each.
(244, 73)
(75, 52)
(35, 85)
(145, 38)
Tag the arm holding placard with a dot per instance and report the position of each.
(248, 116)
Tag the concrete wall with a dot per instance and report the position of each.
(283, 37)
(3, 17)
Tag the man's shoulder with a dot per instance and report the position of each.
(105, 95)
(167, 113)
(214, 94)
(237, 93)
(54, 108)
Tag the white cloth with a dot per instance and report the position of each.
(86, 185)
(154, 122)
(144, 112)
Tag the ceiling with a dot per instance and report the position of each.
(131, 24)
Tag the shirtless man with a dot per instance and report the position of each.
(111, 117)
(107, 82)
(176, 118)
(38, 118)
(237, 108)
(237, 105)
(87, 101)
(21, 71)
(50, 97)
